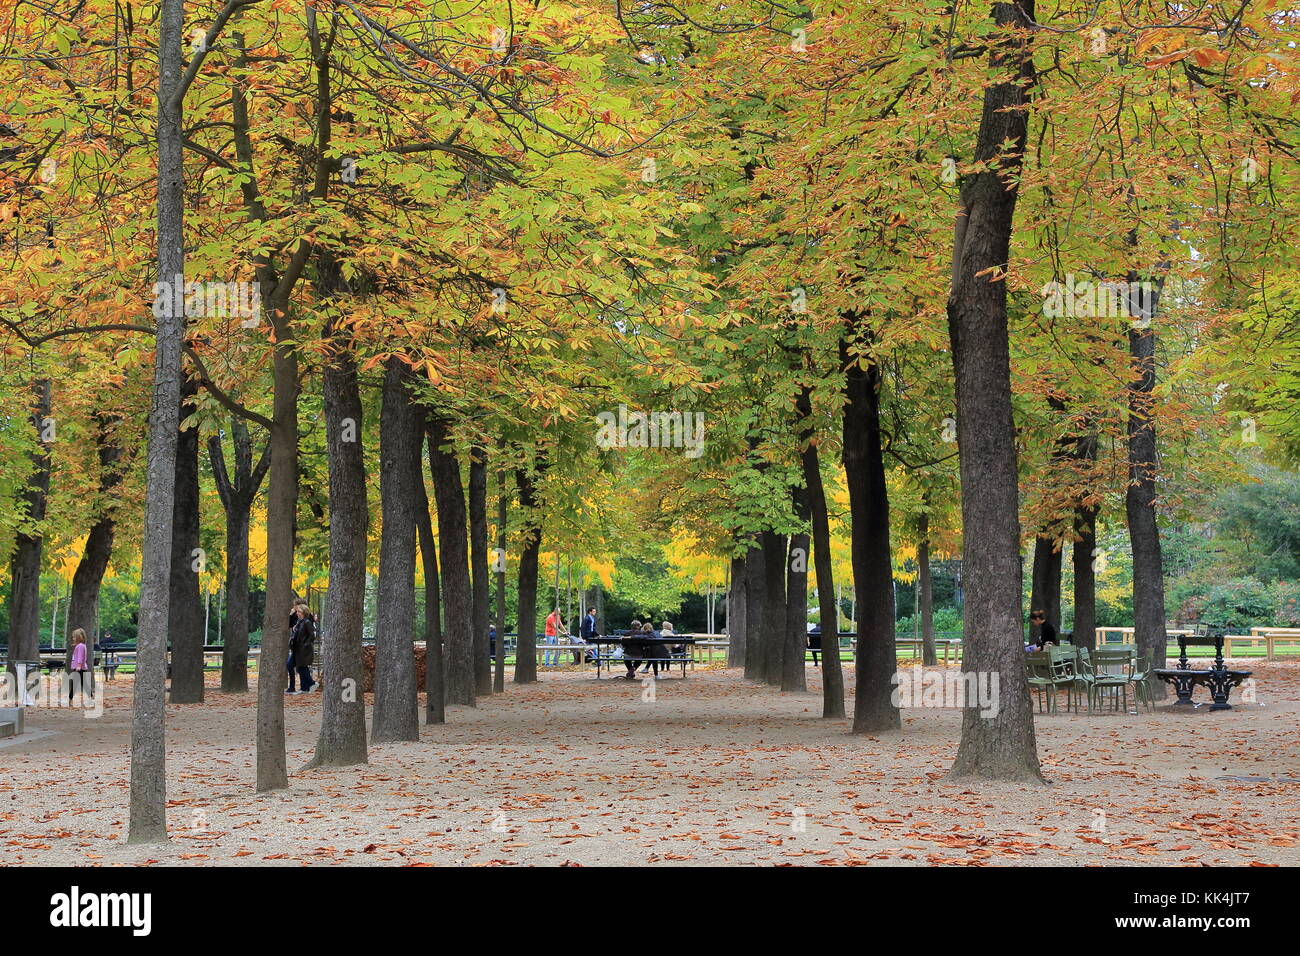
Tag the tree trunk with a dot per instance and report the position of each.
(1045, 582)
(342, 740)
(478, 560)
(25, 567)
(499, 677)
(458, 610)
(86, 582)
(526, 622)
(401, 427)
(774, 622)
(925, 594)
(793, 678)
(874, 709)
(736, 606)
(237, 491)
(435, 681)
(828, 607)
(755, 610)
(998, 744)
(148, 814)
(185, 616)
(83, 602)
(1140, 496)
(281, 511)
(1085, 579)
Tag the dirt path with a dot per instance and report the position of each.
(714, 770)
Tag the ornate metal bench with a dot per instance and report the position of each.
(1219, 679)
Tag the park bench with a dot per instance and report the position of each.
(1218, 679)
(604, 656)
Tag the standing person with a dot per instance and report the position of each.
(304, 647)
(588, 630)
(553, 627)
(78, 668)
(289, 662)
(492, 641)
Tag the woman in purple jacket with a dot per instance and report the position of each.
(78, 667)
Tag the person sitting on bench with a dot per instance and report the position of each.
(666, 629)
(656, 650)
(633, 650)
(1046, 632)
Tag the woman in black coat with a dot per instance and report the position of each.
(303, 642)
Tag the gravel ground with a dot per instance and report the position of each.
(712, 770)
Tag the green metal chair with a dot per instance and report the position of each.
(1112, 671)
(1064, 670)
(1083, 675)
(1142, 682)
(1038, 674)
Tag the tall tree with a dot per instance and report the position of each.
(774, 602)
(401, 431)
(737, 601)
(829, 612)
(25, 566)
(83, 602)
(999, 745)
(453, 536)
(526, 626)
(148, 815)
(874, 709)
(1140, 496)
(185, 616)
(237, 487)
(342, 739)
(478, 560)
(435, 683)
(499, 675)
(756, 607)
(794, 654)
(925, 591)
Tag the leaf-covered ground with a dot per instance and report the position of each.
(713, 770)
